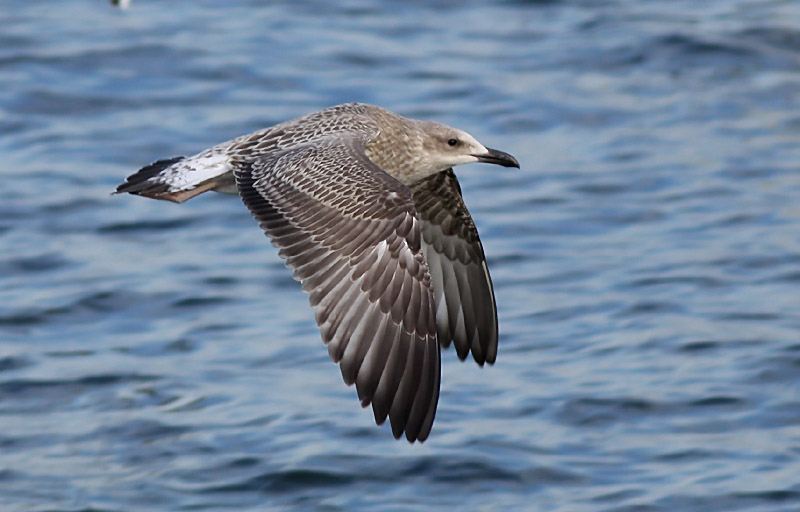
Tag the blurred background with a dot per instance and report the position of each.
(646, 258)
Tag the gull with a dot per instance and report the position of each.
(364, 207)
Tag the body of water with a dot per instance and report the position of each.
(646, 258)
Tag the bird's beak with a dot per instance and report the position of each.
(493, 156)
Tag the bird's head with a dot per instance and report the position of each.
(444, 147)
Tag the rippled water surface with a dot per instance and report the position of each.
(646, 258)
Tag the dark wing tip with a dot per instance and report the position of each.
(458, 269)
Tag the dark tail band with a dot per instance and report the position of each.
(138, 182)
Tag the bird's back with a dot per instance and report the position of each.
(179, 179)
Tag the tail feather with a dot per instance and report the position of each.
(180, 179)
(140, 183)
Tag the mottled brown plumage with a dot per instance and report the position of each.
(367, 212)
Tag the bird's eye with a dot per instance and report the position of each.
(452, 142)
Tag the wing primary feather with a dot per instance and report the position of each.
(375, 360)
(389, 382)
(366, 327)
(435, 354)
(464, 301)
(420, 408)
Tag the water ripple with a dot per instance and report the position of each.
(645, 259)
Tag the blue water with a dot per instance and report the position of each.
(646, 258)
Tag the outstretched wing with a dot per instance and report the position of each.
(350, 233)
(465, 306)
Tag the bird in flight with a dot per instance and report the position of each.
(364, 207)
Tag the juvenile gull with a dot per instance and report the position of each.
(365, 208)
